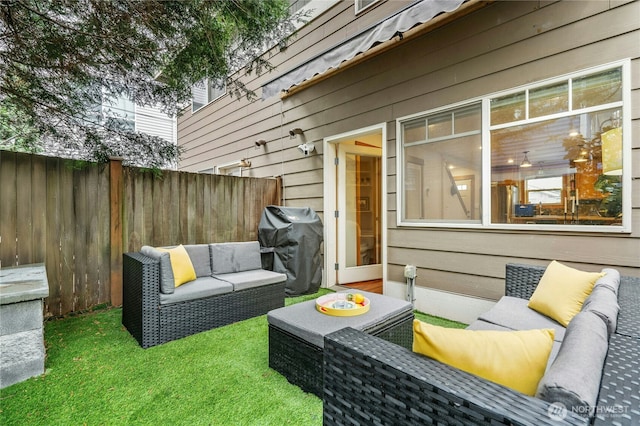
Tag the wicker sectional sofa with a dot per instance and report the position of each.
(371, 381)
(230, 286)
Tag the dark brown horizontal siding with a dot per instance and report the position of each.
(501, 46)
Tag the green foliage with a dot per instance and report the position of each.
(17, 132)
(59, 59)
(611, 186)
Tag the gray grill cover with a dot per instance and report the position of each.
(294, 235)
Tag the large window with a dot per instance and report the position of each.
(553, 157)
(443, 166)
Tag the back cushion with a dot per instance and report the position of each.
(167, 283)
(235, 257)
(200, 258)
(574, 377)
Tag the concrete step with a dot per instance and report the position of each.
(21, 357)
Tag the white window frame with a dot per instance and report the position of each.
(233, 166)
(627, 138)
(359, 9)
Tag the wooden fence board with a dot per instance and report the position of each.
(8, 200)
(78, 222)
(23, 209)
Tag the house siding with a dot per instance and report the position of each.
(499, 47)
(152, 121)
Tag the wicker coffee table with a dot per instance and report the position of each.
(296, 335)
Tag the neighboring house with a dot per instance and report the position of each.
(149, 120)
(456, 136)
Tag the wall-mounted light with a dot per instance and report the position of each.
(525, 161)
(294, 132)
(260, 142)
(306, 148)
(245, 163)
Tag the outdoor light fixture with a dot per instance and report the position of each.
(525, 161)
(245, 163)
(294, 132)
(260, 142)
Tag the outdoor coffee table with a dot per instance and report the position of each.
(296, 335)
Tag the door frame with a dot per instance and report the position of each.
(330, 203)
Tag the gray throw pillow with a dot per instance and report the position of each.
(574, 377)
(167, 282)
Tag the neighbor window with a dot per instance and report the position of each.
(553, 152)
(206, 91)
(363, 4)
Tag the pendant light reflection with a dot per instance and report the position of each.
(525, 161)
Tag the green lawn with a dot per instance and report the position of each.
(96, 374)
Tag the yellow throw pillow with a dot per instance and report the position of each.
(515, 359)
(183, 270)
(562, 291)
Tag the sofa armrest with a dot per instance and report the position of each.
(368, 380)
(521, 280)
(141, 297)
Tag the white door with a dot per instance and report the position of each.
(359, 213)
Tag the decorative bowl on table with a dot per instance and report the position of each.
(340, 305)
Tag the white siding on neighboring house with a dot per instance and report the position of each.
(153, 121)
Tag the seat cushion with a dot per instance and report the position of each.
(249, 279)
(515, 359)
(200, 258)
(562, 291)
(235, 257)
(305, 322)
(574, 377)
(513, 313)
(167, 283)
(198, 289)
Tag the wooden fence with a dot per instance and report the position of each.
(78, 222)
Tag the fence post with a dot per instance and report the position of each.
(115, 203)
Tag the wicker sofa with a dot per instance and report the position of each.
(230, 286)
(371, 381)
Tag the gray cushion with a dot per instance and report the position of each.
(482, 325)
(604, 303)
(200, 258)
(513, 313)
(611, 279)
(249, 279)
(574, 377)
(167, 283)
(197, 289)
(305, 322)
(235, 257)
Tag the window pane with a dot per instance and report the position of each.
(199, 95)
(467, 120)
(414, 131)
(442, 178)
(569, 149)
(549, 100)
(440, 126)
(508, 108)
(597, 89)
